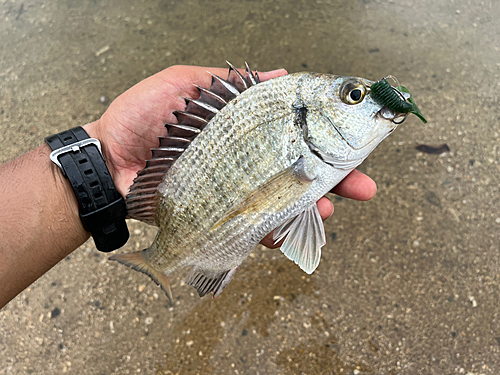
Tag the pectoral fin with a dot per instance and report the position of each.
(274, 195)
(305, 236)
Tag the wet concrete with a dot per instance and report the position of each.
(408, 283)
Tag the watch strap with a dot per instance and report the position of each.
(102, 208)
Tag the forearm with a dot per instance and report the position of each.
(39, 221)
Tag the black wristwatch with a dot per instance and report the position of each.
(102, 208)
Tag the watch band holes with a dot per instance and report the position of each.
(68, 138)
(109, 229)
(94, 183)
(98, 195)
(82, 161)
(88, 172)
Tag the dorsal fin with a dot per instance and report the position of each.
(141, 199)
(185, 131)
(223, 88)
(250, 77)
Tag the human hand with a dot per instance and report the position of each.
(130, 128)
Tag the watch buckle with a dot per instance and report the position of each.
(74, 147)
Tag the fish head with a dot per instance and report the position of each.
(344, 121)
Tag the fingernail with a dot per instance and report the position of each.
(333, 211)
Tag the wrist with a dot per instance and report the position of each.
(93, 129)
(102, 209)
(65, 210)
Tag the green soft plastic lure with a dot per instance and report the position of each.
(392, 98)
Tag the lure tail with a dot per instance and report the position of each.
(414, 108)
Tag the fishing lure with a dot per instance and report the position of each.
(394, 100)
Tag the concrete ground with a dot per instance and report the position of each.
(409, 282)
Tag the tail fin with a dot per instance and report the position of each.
(137, 262)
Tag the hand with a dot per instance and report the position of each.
(134, 121)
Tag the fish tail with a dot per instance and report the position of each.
(136, 261)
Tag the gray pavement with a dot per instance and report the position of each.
(409, 282)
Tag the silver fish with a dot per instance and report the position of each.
(245, 158)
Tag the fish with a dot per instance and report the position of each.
(249, 157)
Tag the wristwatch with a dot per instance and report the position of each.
(102, 208)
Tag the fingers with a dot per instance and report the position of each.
(357, 186)
(264, 76)
(269, 242)
(325, 208)
(184, 77)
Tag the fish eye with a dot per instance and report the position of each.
(352, 92)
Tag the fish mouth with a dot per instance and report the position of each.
(395, 117)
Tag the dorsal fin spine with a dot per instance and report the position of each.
(242, 80)
(201, 104)
(212, 98)
(148, 177)
(184, 130)
(226, 84)
(145, 192)
(183, 117)
(173, 149)
(248, 73)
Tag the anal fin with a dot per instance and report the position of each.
(205, 283)
(137, 262)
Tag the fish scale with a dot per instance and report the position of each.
(228, 174)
